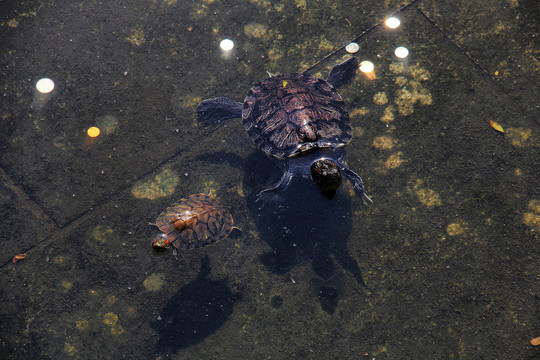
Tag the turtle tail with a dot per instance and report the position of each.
(214, 111)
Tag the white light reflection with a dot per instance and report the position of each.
(401, 52)
(44, 88)
(368, 68)
(45, 85)
(226, 44)
(352, 48)
(392, 23)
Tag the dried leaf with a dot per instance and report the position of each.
(535, 341)
(18, 258)
(496, 126)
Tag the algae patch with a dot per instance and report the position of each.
(532, 217)
(161, 185)
(154, 282)
(456, 229)
(103, 234)
(110, 319)
(427, 196)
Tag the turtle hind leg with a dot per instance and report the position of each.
(214, 111)
(343, 73)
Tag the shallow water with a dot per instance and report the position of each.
(444, 264)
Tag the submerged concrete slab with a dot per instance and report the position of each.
(443, 264)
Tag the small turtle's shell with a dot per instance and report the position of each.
(288, 115)
(195, 221)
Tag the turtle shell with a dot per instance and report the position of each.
(288, 115)
(195, 221)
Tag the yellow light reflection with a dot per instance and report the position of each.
(368, 69)
(93, 132)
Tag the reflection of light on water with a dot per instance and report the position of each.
(45, 85)
(392, 22)
(401, 52)
(226, 44)
(104, 125)
(93, 132)
(352, 48)
(44, 89)
(367, 67)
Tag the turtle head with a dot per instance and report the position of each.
(161, 243)
(325, 173)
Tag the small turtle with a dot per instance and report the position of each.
(193, 222)
(300, 120)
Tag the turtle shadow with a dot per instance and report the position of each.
(195, 312)
(303, 226)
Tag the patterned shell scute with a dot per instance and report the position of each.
(288, 115)
(196, 221)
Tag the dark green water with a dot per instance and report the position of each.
(443, 265)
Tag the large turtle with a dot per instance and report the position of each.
(300, 120)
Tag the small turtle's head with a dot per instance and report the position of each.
(161, 243)
(325, 173)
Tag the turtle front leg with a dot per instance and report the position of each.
(356, 180)
(214, 111)
(270, 193)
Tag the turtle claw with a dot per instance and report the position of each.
(359, 190)
(269, 196)
(272, 193)
(357, 182)
(366, 199)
